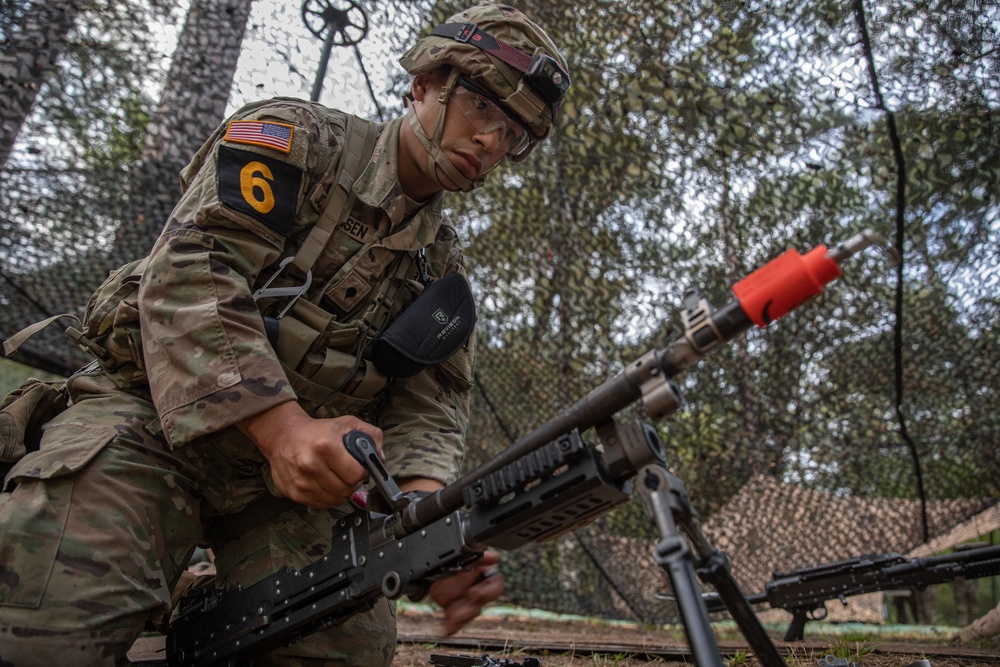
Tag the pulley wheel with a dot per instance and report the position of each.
(345, 18)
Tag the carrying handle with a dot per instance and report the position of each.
(360, 445)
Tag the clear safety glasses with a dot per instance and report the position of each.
(486, 115)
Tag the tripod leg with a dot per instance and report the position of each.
(667, 500)
(715, 571)
(673, 555)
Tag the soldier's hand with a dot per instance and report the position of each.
(463, 595)
(309, 462)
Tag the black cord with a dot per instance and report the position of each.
(897, 151)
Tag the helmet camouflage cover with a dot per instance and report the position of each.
(458, 42)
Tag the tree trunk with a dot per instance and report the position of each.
(192, 105)
(924, 606)
(30, 54)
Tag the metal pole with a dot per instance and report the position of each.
(324, 61)
(344, 23)
(371, 89)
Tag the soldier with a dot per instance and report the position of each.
(234, 358)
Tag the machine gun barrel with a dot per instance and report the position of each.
(968, 563)
(765, 295)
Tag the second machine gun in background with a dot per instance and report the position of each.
(804, 592)
(547, 483)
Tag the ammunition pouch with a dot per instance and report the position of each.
(320, 359)
(109, 332)
(110, 329)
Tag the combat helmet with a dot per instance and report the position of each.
(506, 53)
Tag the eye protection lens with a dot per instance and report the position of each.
(487, 116)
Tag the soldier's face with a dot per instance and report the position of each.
(472, 149)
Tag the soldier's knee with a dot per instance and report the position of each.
(29, 647)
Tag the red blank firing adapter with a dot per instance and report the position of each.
(784, 283)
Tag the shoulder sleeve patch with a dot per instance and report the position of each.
(261, 133)
(263, 187)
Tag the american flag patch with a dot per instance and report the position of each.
(260, 133)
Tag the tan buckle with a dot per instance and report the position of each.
(80, 339)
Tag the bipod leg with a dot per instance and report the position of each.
(713, 568)
(673, 555)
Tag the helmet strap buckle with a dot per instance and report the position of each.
(465, 32)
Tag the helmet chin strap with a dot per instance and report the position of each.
(436, 158)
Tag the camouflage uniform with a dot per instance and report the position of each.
(98, 525)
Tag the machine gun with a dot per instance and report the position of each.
(544, 485)
(804, 592)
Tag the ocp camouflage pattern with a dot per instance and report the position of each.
(101, 521)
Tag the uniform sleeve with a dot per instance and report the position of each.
(206, 354)
(425, 418)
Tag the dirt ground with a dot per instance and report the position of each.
(596, 644)
(584, 643)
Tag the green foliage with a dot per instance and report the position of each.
(738, 658)
(124, 130)
(707, 143)
(14, 374)
(100, 94)
(851, 649)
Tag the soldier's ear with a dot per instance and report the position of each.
(420, 85)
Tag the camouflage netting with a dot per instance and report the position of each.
(699, 140)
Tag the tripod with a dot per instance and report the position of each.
(668, 505)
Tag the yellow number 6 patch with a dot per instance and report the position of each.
(263, 187)
(252, 185)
